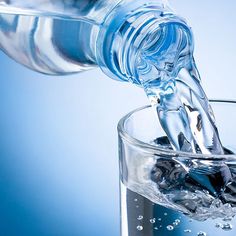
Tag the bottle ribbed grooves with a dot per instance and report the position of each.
(122, 36)
(111, 38)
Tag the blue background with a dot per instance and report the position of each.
(58, 143)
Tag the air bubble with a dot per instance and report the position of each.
(170, 227)
(140, 217)
(201, 233)
(159, 219)
(155, 228)
(187, 231)
(139, 227)
(153, 220)
(165, 214)
(227, 227)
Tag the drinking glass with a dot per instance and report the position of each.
(170, 193)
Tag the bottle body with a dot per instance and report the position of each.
(64, 37)
(52, 37)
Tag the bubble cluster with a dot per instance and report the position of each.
(176, 222)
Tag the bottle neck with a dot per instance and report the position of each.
(126, 33)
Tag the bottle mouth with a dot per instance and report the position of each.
(126, 33)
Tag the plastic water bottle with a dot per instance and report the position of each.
(61, 37)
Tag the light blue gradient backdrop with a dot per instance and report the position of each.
(58, 144)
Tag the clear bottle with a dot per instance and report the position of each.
(61, 37)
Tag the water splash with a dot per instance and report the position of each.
(169, 75)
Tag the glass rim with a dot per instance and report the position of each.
(153, 149)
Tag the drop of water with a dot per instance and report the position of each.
(155, 228)
(170, 227)
(135, 200)
(137, 206)
(139, 227)
(165, 214)
(140, 217)
(153, 220)
(159, 219)
(187, 231)
(201, 233)
(227, 227)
